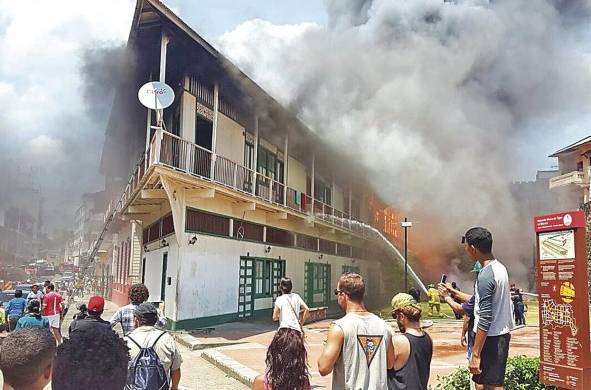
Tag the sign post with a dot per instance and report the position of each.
(563, 295)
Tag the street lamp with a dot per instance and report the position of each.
(406, 224)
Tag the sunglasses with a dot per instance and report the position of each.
(463, 239)
(337, 291)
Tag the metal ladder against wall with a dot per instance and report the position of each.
(77, 287)
(246, 288)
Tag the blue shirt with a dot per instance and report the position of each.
(32, 321)
(16, 307)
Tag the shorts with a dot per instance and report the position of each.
(54, 321)
(493, 361)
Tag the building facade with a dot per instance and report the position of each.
(88, 222)
(574, 163)
(231, 193)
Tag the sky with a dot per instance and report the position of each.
(48, 131)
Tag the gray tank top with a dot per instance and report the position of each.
(362, 363)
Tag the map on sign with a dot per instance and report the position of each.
(554, 314)
(557, 245)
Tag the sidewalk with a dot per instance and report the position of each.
(239, 349)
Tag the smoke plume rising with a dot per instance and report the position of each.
(431, 98)
(52, 122)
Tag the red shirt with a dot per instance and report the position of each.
(52, 302)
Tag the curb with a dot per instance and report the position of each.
(231, 367)
(188, 341)
(194, 344)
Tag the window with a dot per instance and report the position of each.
(248, 231)
(198, 221)
(262, 278)
(248, 155)
(322, 191)
(279, 237)
(266, 163)
(154, 231)
(580, 166)
(167, 225)
(203, 132)
(320, 277)
(347, 269)
(279, 170)
(326, 246)
(343, 250)
(306, 242)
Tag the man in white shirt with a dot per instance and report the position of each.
(288, 307)
(35, 293)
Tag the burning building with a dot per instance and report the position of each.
(231, 194)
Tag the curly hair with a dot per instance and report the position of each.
(412, 312)
(96, 359)
(138, 293)
(287, 361)
(21, 348)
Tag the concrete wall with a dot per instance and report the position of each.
(208, 279)
(230, 139)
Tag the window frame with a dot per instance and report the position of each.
(319, 278)
(265, 278)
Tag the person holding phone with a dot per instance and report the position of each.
(493, 320)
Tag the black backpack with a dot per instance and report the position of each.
(146, 371)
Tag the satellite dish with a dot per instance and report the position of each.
(156, 95)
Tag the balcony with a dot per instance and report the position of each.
(171, 151)
(575, 177)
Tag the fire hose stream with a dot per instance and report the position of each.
(383, 240)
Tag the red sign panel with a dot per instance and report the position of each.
(564, 300)
(559, 221)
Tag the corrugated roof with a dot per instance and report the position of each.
(572, 147)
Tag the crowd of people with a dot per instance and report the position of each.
(361, 350)
(94, 355)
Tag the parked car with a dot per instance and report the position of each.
(6, 296)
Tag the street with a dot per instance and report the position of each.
(196, 372)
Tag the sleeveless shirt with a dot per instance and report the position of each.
(362, 363)
(414, 375)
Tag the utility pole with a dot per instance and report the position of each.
(406, 225)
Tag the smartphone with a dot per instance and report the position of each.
(443, 278)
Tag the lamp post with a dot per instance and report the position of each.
(406, 224)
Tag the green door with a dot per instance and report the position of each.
(246, 288)
(317, 284)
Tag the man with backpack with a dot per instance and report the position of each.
(155, 358)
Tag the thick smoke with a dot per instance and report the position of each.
(63, 164)
(430, 97)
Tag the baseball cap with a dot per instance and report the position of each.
(146, 310)
(96, 304)
(403, 300)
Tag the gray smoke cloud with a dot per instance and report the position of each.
(62, 163)
(431, 98)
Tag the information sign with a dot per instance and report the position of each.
(563, 300)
